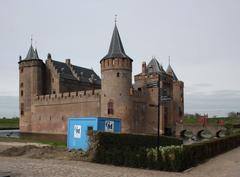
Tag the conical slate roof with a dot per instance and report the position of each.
(31, 54)
(36, 53)
(171, 72)
(154, 67)
(116, 49)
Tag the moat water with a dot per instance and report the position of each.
(32, 136)
(61, 138)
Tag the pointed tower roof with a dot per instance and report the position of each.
(154, 67)
(31, 54)
(171, 72)
(36, 52)
(116, 49)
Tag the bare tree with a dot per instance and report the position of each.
(232, 114)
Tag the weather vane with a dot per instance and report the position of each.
(169, 60)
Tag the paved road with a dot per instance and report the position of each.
(225, 165)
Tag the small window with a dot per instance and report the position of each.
(21, 70)
(118, 74)
(21, 92)
(89, 130)
(139, 89)
(21, 85)
(180, 112)
(165, 92)
(22, 109)
(110, 107)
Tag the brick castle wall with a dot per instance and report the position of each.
(51, 112)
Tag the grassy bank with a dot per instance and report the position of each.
(9, 123)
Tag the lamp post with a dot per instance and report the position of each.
(158, 118)
(158, 106)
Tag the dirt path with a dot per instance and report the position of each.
(225, 165)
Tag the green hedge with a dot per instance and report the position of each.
(140, 151)
(197, 153)
(125, 149)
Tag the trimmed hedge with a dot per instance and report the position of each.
(140, 151)
(125, 149)
(199, 152)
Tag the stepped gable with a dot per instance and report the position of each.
(86, 75)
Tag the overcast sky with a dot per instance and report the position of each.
(201, 36)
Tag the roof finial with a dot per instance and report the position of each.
(115, 20)
(169, 60)
(31, 39)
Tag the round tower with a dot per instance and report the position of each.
(31, 70)
(116, 83)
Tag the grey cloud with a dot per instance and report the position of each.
(218, 102)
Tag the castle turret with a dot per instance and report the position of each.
(171, 72)
(178, 101)
(116, 71)
(31, 70)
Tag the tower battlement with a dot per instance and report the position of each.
(116, 63)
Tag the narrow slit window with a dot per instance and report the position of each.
(22, 109)
(110, 107)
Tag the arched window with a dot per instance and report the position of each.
(118, 74)
(110, 107)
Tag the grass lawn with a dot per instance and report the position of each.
(9, 123)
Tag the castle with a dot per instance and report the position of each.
(51, 92)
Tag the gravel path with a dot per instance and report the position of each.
(225, 165)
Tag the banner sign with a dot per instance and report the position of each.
(77, 131)
(109, 126)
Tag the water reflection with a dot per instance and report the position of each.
(10, 133)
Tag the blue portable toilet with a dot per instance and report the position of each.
(79, 127)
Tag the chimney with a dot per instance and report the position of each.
(68, 62)
(49, 57)
(144, 67)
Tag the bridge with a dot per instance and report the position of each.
(197, 128)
